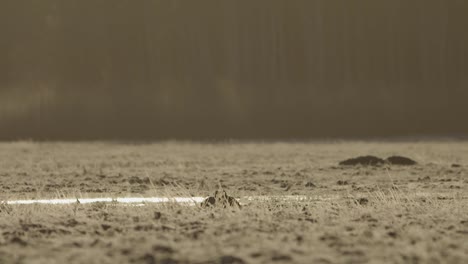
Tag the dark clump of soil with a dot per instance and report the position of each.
(425, 179)
(362, 201)
(220, 199)
(340, 182)
(106, 227)
(163, 249)
(137, 180)
(231, 260)
(364, 161)
(157, 215)
(19, 241)
(281, 258)
(400, 160)
(150, 259)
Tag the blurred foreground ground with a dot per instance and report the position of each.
(393, 214)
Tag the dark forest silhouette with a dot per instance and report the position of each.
(82, 69)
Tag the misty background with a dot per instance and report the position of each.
(211, 69)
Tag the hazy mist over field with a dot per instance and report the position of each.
(232, 69)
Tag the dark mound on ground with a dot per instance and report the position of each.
(363, 160)
(399, 160)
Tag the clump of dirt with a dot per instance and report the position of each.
(137, 180)
(364, 161)
(220, 199)
(362, 201)
(341, 183)
(157, 215)
(163, 249)
(400, 160)
(19, 241)
(231, 260)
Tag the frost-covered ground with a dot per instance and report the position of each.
(395, 214)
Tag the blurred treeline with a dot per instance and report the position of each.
(140, 69)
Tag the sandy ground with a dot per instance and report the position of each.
(389, 214)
